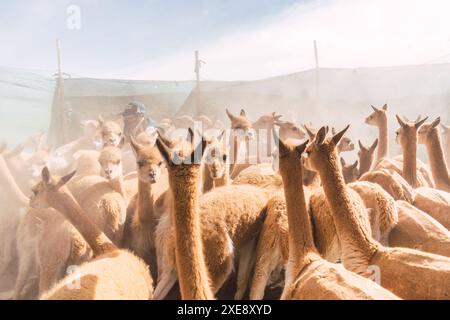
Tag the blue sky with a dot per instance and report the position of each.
(239, 39)
(118, 33)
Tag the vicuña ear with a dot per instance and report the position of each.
(374, 108)
(320, 136)
(135, 146)
(301, 148)
(229, 114)
(361, 146)
(343, 162)
(221, 135)
(338, 136)
(436, 122)
(418, 124)
(374, 146)
(400, 121)
(45, 174)
(355, 165)
(309, 132)
(198, 151)
(281, 146)
(100, 120)
(65, 179)
(162, 136)
(385, 107)
(164, 150)
(243, 113)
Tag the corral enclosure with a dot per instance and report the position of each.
(324, 95)
(225, 149)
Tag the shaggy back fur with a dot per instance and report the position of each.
(308, 275)
(114, 274)
(408, 273)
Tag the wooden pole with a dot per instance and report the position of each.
(316, 55)
(317, 103)
(58, 131)
(62, 101)
(58, 52)
(198, 65)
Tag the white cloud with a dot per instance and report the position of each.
(350, 33)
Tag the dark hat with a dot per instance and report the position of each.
(134, 107)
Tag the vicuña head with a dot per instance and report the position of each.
(290, 130)
(240, 124)
(111, 132)
(110, 160)
(216, 157)
(45, 192)
(350, 171)
(267, 121)
(407, 133)
(428, 131)
(149, 162)
(378, 117)
(366, 156)
(345, 145)
(322, 149)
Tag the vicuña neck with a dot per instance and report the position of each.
(301, 243)
(66, 204)
(383, 146)
(365, 163)
(438, 165)
(145, 204)
(191, 266)
(447, 151)
(410, 163)
(354, 238)
(207, 181)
